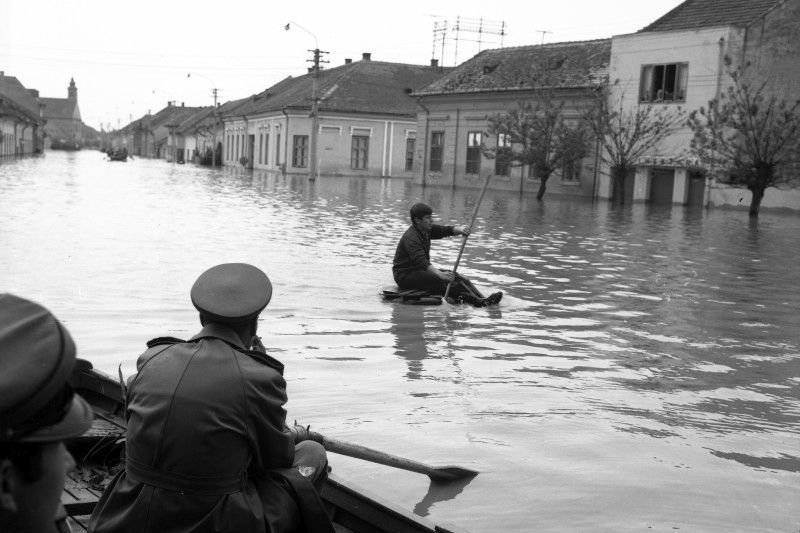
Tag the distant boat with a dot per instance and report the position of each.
(117, 157)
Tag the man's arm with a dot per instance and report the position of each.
(438, 232)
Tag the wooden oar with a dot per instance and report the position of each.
(464, 240)
(436, 473)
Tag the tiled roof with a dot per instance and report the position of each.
(195, 118)
(560, 65)
(694, 14)
(58, 107)
(365, 86)
(13, 91)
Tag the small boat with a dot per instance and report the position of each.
(410, 296)
(100, 453)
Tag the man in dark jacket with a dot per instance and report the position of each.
(208, 449)
(412, 268)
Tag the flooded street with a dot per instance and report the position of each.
(642, 372)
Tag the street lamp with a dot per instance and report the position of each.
(312, 167)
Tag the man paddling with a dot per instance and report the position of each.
(208, 449)
(412, 268)
(38, 412)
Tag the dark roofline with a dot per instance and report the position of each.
(720, 25)
(512, 89)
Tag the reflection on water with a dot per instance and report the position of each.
(642, 371)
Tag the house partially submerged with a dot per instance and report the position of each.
(20, 118)
(366, 121)
(677, 63)
(452, 118)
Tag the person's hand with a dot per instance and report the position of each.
(258, 345)
(461, 230)
(446, 275)
(300, 432)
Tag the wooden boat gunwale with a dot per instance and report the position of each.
(352, 507)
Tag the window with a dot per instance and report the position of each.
(236, 157)
(473, 152)
(300, 151)
(664, 83)
(571, 172)
(410, 153)
(277, 149)
(502, 161)
(260, 148)
(437, 149)
(358, 154)
(266, 148)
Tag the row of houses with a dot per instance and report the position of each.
(30, 123)
(428, 123)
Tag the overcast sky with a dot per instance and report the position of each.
(131, 57)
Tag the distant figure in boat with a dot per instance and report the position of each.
(208, 448)
(38, 412)
(412, 268)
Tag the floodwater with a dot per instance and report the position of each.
(641, 374)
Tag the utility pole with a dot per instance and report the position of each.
(312, 167)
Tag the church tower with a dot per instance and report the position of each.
(72, 92)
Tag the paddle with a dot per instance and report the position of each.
(464, 239)
(436, 473)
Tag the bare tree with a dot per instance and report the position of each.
(627, 134)
(749, 133)
(539, 135)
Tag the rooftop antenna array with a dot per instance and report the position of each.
(481, 31)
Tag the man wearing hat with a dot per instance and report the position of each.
(208, 449)
(412, 267)
(38, 411)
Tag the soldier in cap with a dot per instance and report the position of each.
(208, 448)
(38, 412)
(412, 267)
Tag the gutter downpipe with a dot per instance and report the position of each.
(721, 43)
(424, 141)
(247, 141)
(455, 148)
(285, 144)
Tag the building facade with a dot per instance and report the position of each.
(64, 127)
(366, 124)
(678, 63)
(20, 119)
(453, 113)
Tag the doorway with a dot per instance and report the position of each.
(662, 185)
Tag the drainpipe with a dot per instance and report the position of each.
(718, 91)
(455, 149)
(385, 140)
(285, 143)
(391, 145)
(424, 140)
(247, 141)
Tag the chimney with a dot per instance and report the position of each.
(310, 70)
(2, 73)
(347, 61)
(366, 56)
(434, 62)
(34, 92)
(182, 104)
(170, 103)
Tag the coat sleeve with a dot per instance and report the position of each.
(438, 232)
(415, 251)
(265, 391)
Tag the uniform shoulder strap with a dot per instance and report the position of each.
(163, 340)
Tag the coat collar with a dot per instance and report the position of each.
(222, 332)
